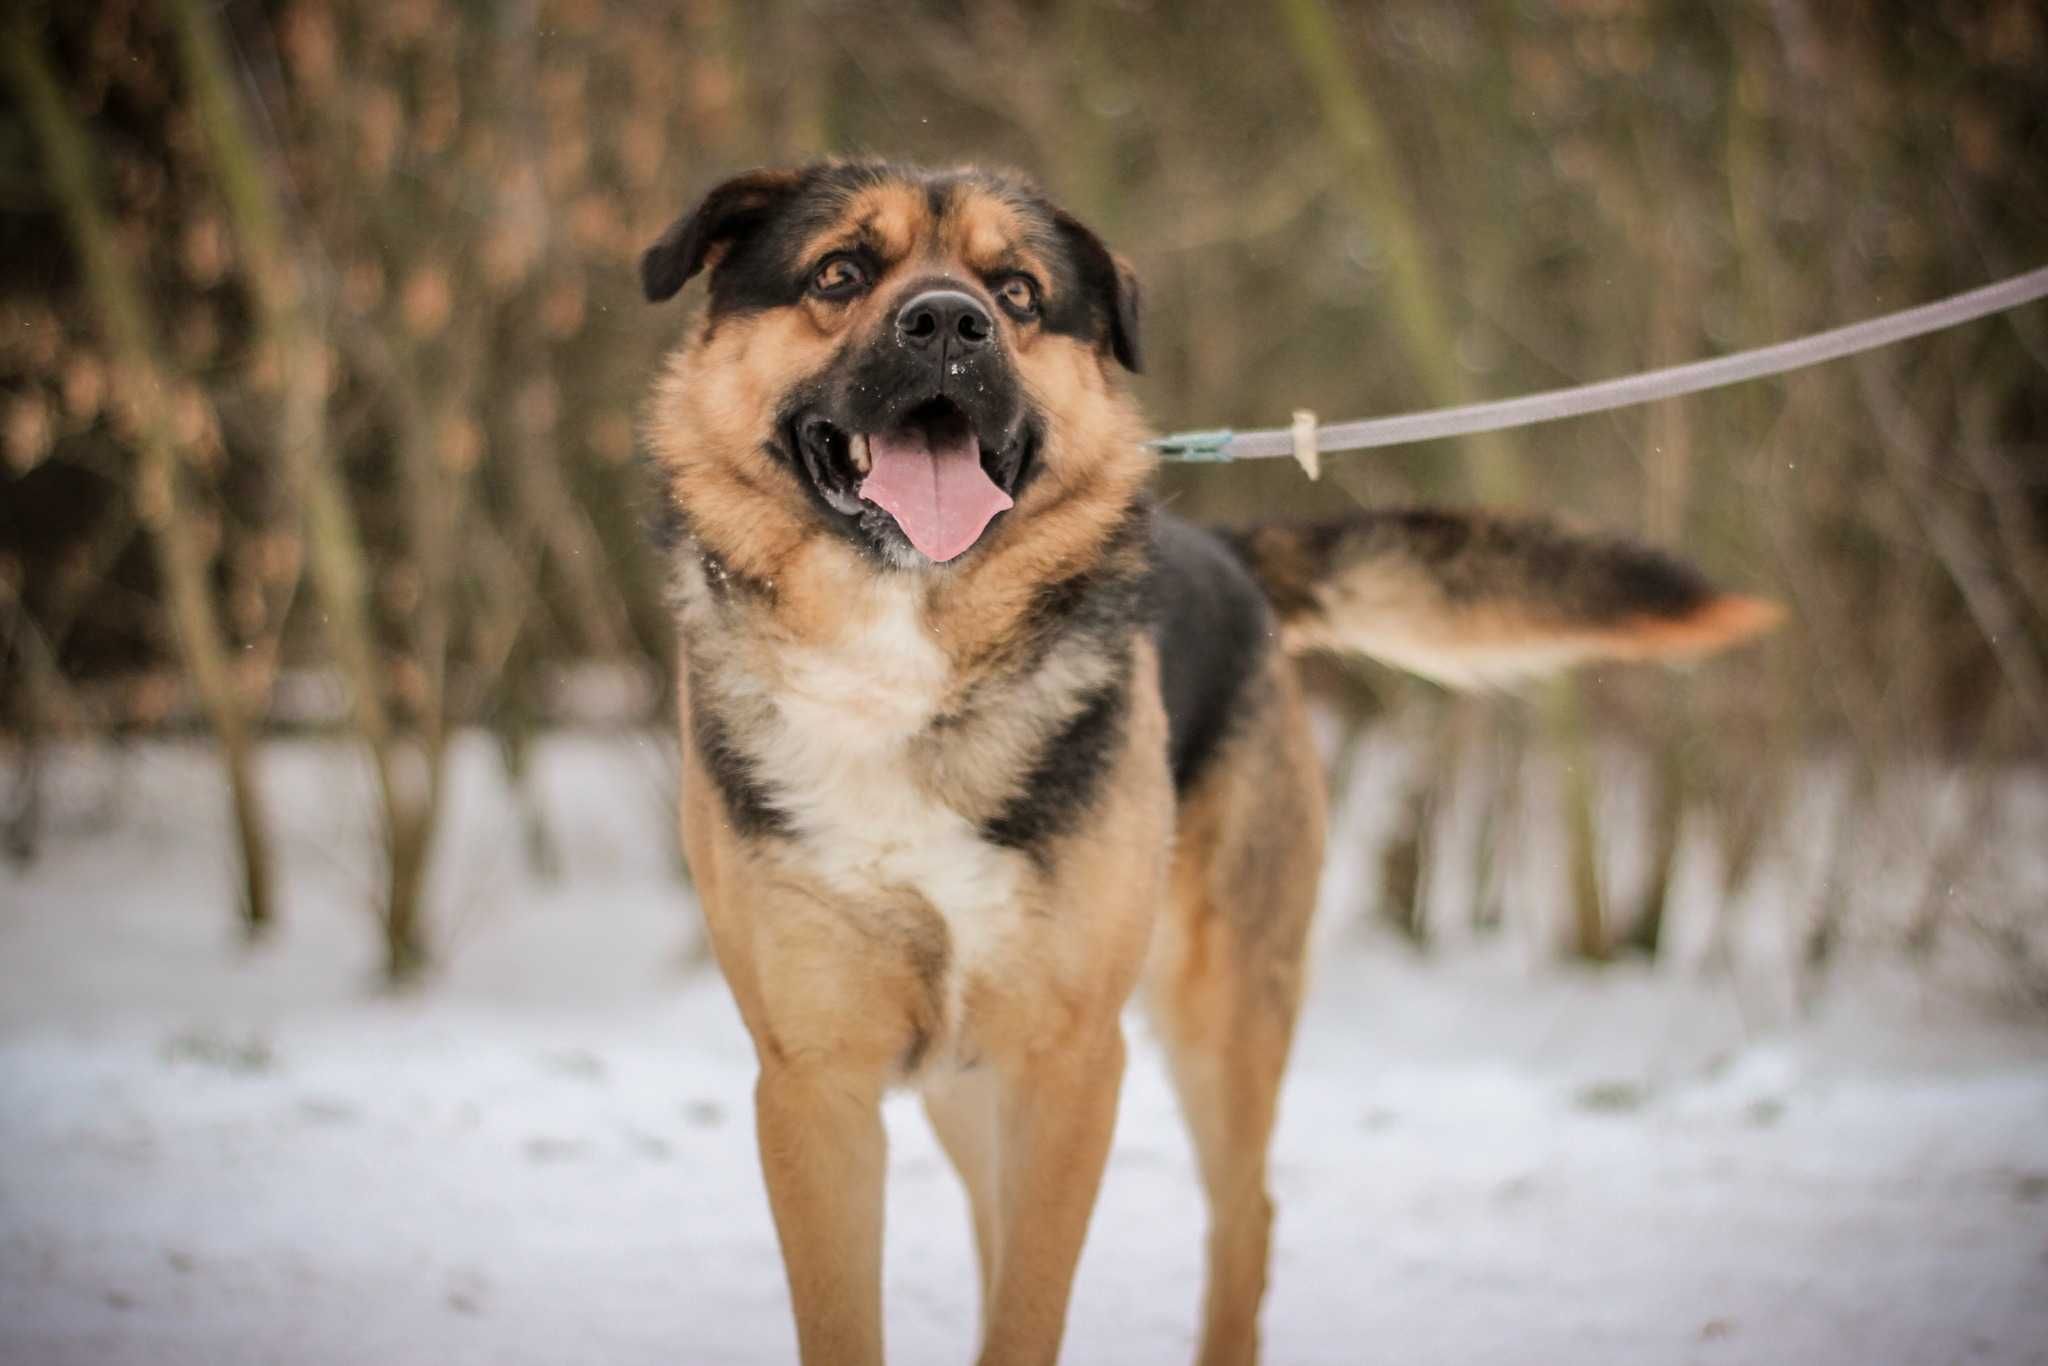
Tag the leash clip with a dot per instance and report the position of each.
(1196, 447)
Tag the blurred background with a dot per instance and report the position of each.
(321, 357)
(335, 654)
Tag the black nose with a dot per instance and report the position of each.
(943, 315)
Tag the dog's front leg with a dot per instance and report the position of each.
(823, 1153)
(1058, 1111)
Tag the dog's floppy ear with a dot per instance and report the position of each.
(729, 212)
(1110, 284)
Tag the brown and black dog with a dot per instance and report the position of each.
(976, 741)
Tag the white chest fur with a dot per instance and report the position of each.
(839, 761)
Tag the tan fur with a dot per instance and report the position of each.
(1477, 601)
(843, 998)
(1500, 644)
(837, 996)
(1225, 981)
(1726, 621)
(886, 942)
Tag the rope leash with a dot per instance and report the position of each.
(1305, 439)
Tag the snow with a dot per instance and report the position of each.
(213, 1154)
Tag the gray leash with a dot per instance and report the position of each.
(1306, 438)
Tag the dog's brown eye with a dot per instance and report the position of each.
(1019, 296)
(839, 277)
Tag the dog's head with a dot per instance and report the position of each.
(907, 352)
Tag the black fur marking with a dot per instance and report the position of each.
(667, 528)
(913, 1053)
(729, 217)
(929, 948)
(748, 802)
(1100, 605)
(1598, 581)
(1471, 558)
(1094, 611)
(1290, 585)
(1106, 312)
(1213, 629)
(1068, 773)
(762, 219)
(726, 583)
(676, 539)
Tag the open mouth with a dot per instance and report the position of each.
(929, 472)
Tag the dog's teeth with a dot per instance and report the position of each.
(857, 447)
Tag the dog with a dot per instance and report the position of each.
(978, 742)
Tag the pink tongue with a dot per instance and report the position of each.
(936, 491)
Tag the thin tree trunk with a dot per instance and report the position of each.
(166, 507)
(1666, 495)
(1405, 860)
(288, 319)
(433, 502)
(1591, 937)
(1379, 196)
(1671, 781)
(21, 825)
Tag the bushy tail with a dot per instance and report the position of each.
(1476, 601)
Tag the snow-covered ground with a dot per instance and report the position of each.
(217, 1155)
